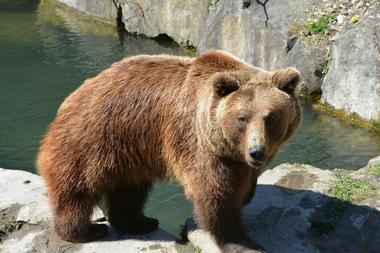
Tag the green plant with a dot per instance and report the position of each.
(197, 250)
(6, 227)
(321, 25)
(376, 123)
(351, 189)
(213, 6)
(374, 170)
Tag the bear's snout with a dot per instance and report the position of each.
(257, 153)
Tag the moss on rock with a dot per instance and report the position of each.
(350, 118)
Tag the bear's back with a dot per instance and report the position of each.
(120, 117)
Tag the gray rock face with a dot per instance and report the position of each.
(309, 60)
(353, 81)
(293, 213)
(243, 32)
(374, 162)
(181, 20)
(105, 10)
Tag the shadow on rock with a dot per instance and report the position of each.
(288, 220)
(293, 212)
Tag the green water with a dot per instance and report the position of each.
(46, 52)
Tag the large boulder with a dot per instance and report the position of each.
(181, 20)
(104, 10)
(265, 41)
(353, 81)
(293, 212)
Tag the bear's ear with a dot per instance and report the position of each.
(287, 79)
(224, 84)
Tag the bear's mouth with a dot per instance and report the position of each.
(256, 163)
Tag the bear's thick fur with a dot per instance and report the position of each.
(211, 122)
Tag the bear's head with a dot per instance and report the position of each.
(250, 113)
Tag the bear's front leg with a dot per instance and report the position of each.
(220, 215)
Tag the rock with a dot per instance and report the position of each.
(42, 241)
(344, 11)
(340, 19)
(353, 81)
(310, 61)
(292, 212)
(59, 14)
(200, 238)
(264, 41)
(26, 203)
(30, 197)
(374, 162)
(24, 244)
(181, 20)
(104, 10)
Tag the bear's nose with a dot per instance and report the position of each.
(257, 153)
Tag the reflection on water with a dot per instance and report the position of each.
(45, 54)
(326, 142)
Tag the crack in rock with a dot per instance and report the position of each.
(263, 4)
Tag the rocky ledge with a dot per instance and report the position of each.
(297, 208)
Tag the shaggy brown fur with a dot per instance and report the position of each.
(160, 117)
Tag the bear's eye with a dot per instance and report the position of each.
(242, 119)
(270, 118)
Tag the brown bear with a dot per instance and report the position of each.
(211, 122)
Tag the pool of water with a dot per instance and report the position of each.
(46, 52)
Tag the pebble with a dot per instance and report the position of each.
(343, 11)
(340, 18)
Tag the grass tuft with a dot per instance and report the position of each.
(374, 170)
(351, 189)
(321, 24)
(213, 6)
(6, 227)
(197, 250)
